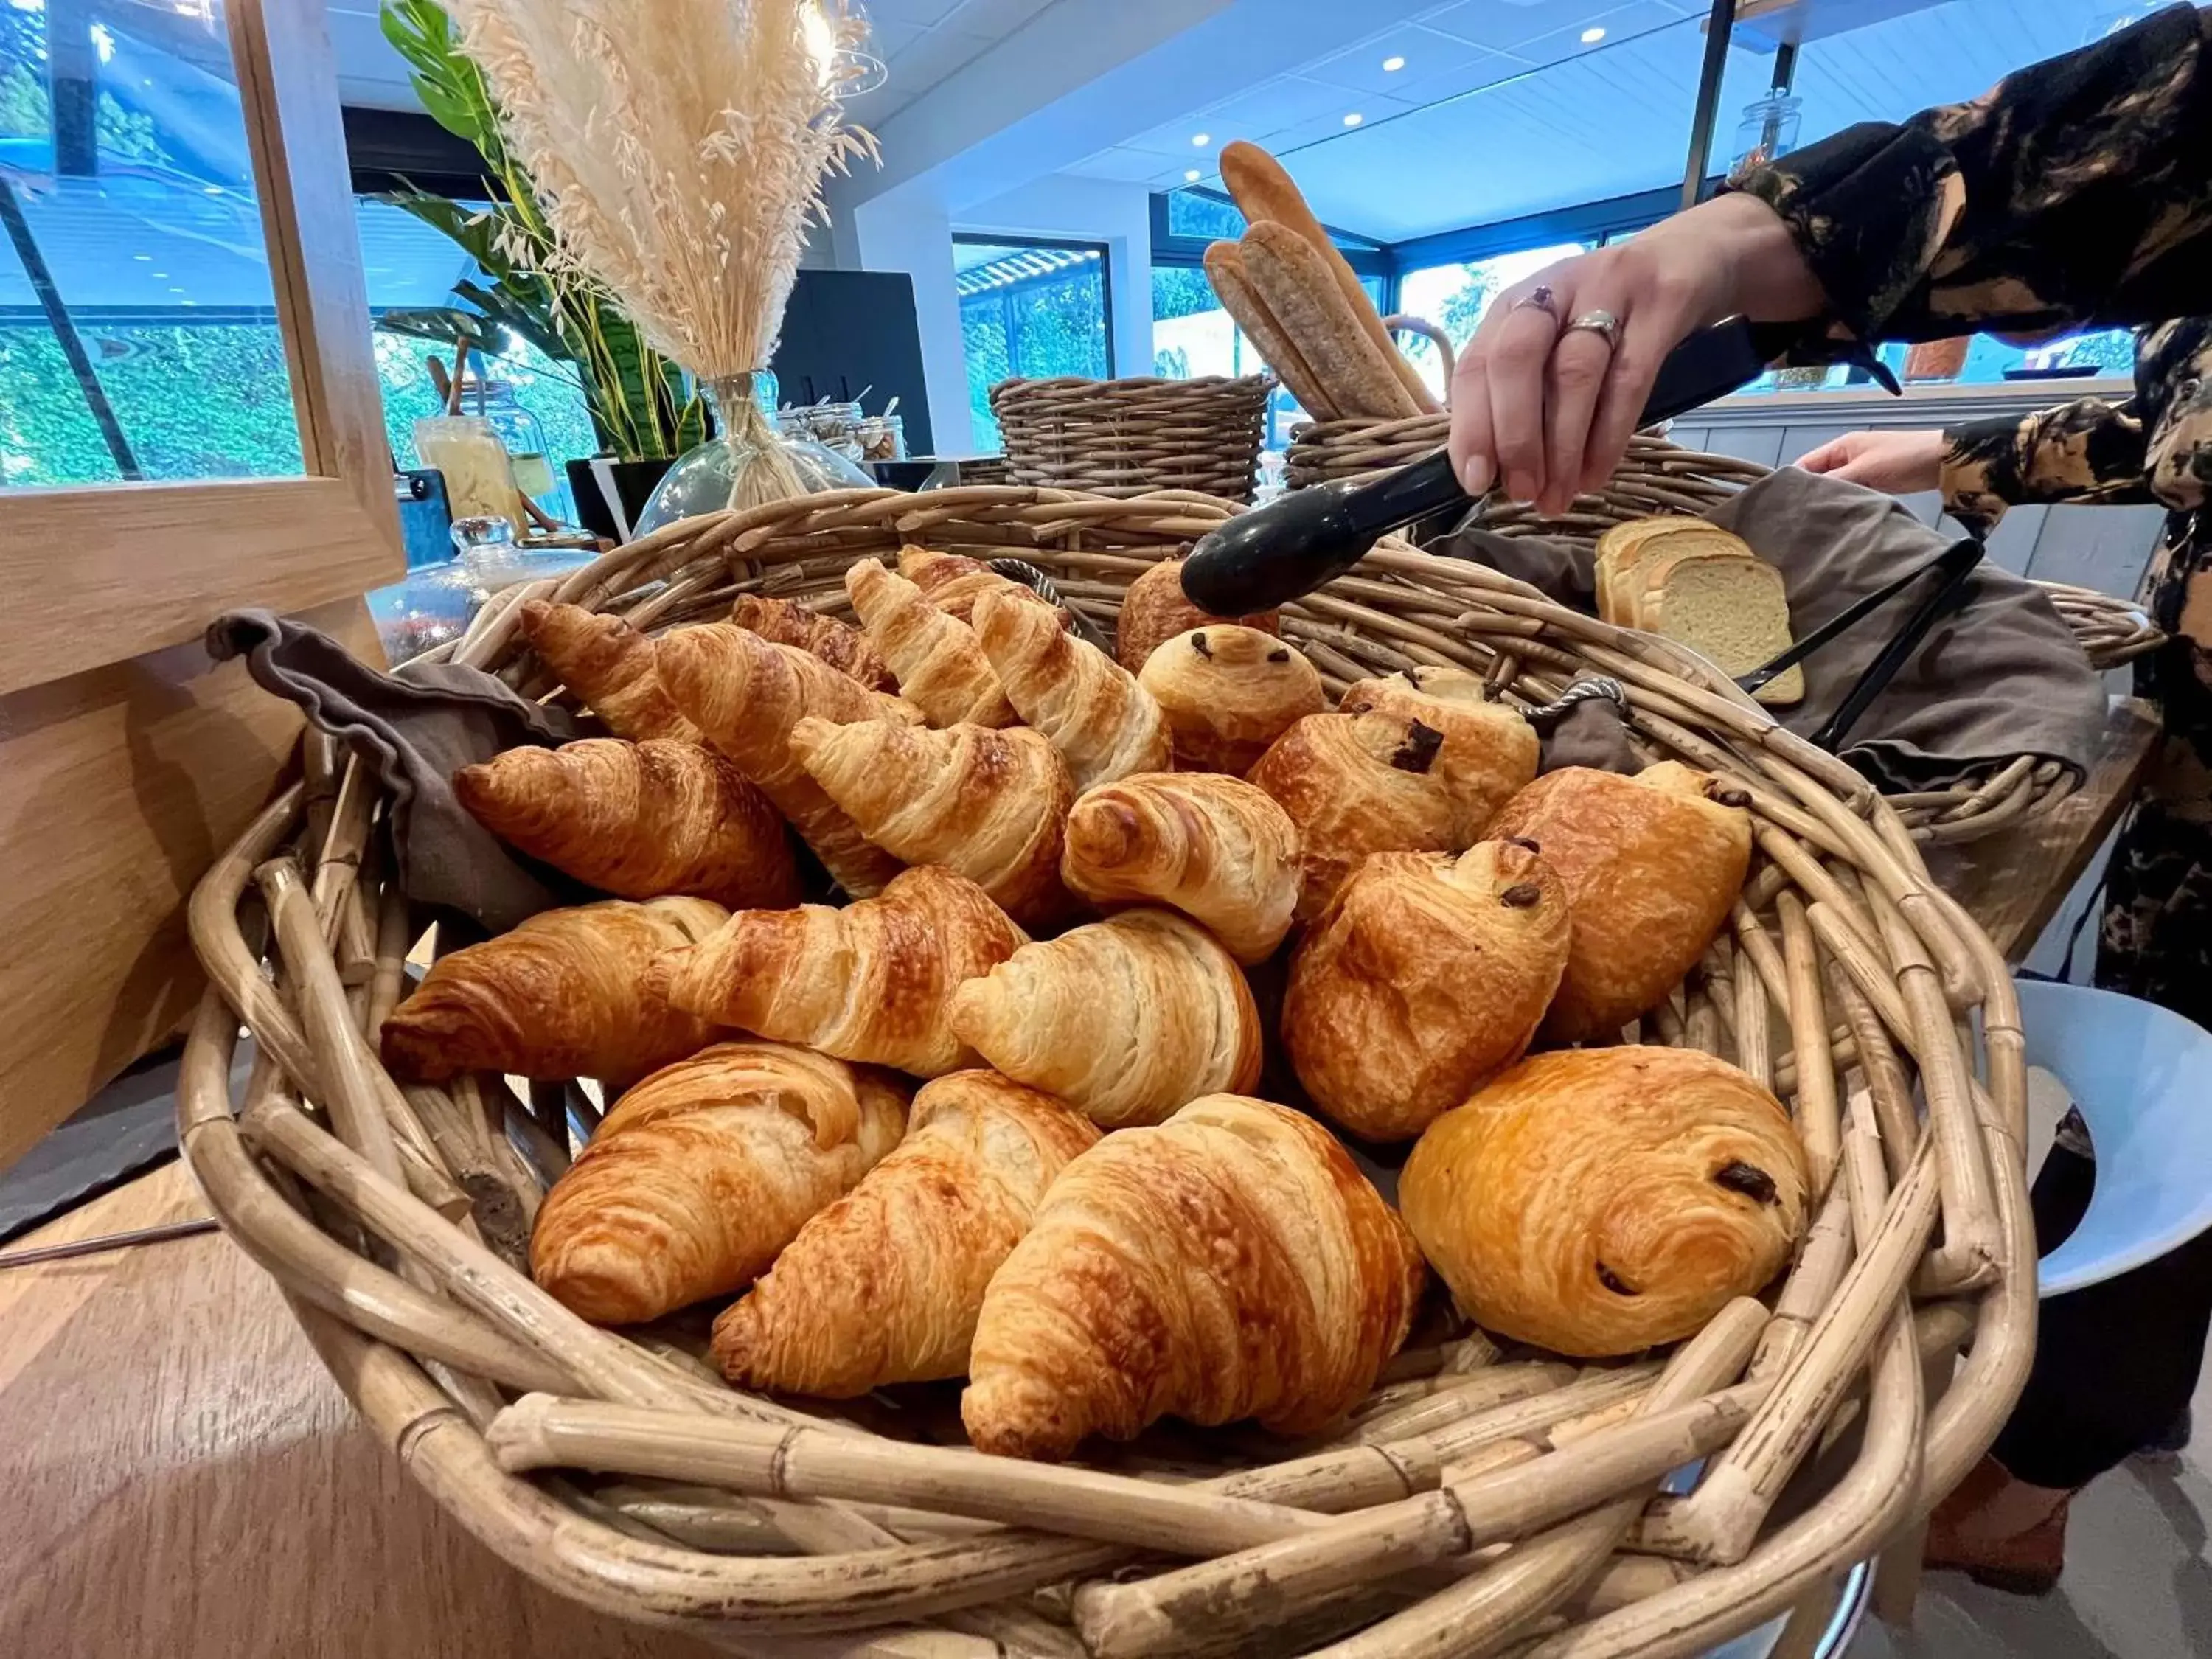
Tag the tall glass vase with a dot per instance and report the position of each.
(747, 463)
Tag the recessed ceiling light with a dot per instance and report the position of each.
(1192, 175)
(1392, 65)
(142, 256)
(1202, 139)
(1592, 36)
(1354, 118)
(161, 276)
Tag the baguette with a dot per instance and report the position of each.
(1232, 286)
(1264, 192)
(1294, 283)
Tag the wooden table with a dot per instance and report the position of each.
(183, 1479)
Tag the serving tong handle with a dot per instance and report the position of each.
(1953, 566)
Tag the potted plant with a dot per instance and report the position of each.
(643, 407)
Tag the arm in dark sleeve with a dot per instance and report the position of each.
(2078, 191)
(2088, 450)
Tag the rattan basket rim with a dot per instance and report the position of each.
(1843, 947)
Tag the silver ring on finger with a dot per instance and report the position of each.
(1538, 298)
(1599, 321)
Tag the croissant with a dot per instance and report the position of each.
(747, 694)
(868, 982)
(1126, 1019)
(1489, 750)
(1214, 847)
(988, 804)
(608, 663)
(953, 582)
(941, 669)
(840, 644)
(884, 1285)
(1356, 784)
(702, 1173)
(1104, 723)
(561, 996)
(1228, 693)
(1232, 1262)
(1596, 1201)
(638, 820)
(1651, 864)
(1425, 976)
(1154, 610)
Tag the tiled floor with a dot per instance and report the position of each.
(2138, 1580)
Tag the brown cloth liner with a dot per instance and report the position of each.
(415, 730)
(2001, 677)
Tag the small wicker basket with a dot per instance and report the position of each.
(1126, 437)
(394, 1217)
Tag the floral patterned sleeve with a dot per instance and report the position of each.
(2089, 450)
(2078, 191)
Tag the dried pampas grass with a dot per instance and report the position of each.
(680, 146)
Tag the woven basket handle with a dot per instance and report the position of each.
(1399, 323)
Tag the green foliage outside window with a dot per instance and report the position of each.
(1047, 326)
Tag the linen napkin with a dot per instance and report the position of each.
(2002, 676)
(414, 731)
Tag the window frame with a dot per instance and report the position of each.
(83, 591)
(1078, 244)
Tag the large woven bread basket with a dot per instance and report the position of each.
(1130, 436)
(1477, 1503)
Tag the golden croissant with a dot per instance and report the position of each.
(1154, 610)
(988, 804)
(1489, 750)
(941, 669)
(840, 644)
(953, 582)
(870, 981)
(702, 1173)
(1652, 865)
(1104, 723)
(639, 820)
(884, 1286)
(1232, 1262)
(746, 695)
(1596, 1201)
(1426, 975)
(608, 665)
(1215, 847)
(1228, 692)
(564, 995)
(1127, 1019)
(1356, 784)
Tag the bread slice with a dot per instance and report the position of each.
(1660, 555)
(1730, 610)
(1624, 549)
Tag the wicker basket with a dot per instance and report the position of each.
(394, 1217)
(1126, 437)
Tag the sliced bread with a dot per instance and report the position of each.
(1729, 608)
(1657, 556)
(1624, 550)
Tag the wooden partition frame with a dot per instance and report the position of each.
(97, 575)
(128, 757)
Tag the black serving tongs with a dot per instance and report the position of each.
(1952, 567)
(1286, 550)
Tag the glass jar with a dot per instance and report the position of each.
(882, 438)
(747, 463)
(1768, 128)
(523, 436)
(479, 477)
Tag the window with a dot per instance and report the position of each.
(138, 335)
(1029, 310)
(1455, 297)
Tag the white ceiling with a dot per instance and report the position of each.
(1501, 108)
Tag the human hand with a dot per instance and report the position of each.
(1548, 409)
(1898, 462)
